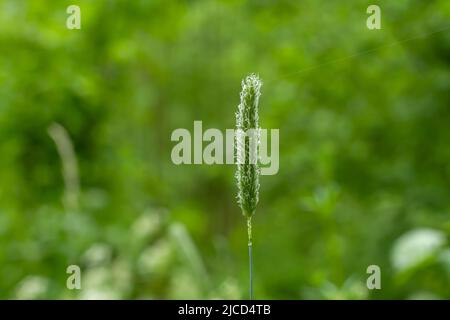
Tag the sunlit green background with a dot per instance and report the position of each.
(364, 119)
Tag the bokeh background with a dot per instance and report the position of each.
(86, 176)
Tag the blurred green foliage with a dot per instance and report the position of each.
(364, 123)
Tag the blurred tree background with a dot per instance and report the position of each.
(86, 176)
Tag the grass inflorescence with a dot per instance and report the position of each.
(247, 141)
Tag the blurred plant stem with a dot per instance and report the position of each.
(66, 151)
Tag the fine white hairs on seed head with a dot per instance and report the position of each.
(247, 140)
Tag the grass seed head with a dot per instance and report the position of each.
(247, 141)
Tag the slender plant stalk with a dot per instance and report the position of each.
(247, 141)
(66, 151)
(250, 255)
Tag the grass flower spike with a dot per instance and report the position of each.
(247, 141)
